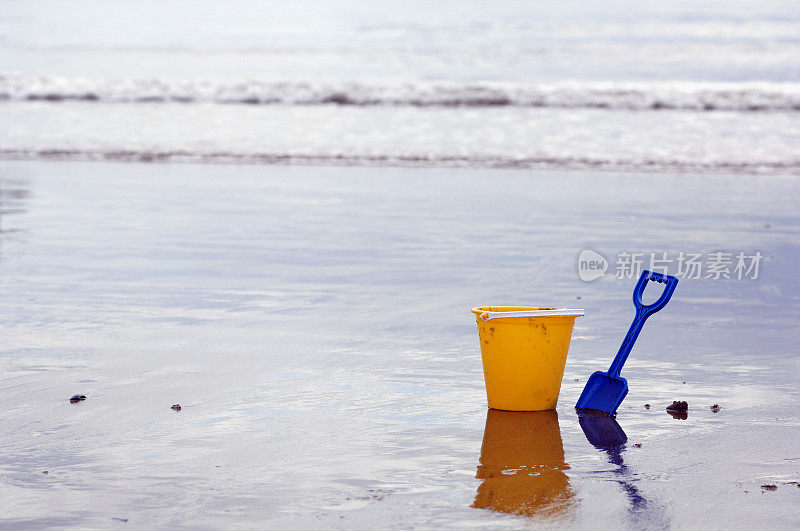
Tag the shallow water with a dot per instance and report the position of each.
(314, 325)
(524, 137)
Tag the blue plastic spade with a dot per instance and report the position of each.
(605, 391)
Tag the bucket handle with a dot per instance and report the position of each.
(488, 316)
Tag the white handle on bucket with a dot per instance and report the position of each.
(488, 316)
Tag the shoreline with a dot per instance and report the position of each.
(415, 162)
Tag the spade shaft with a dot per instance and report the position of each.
(627, 343)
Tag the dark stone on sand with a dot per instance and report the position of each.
(715, 408)
(123, 520)
(77, 398)
(176, 407)
(647, 406)
(678, 405)
(45, 472)
(678, 409)
(769, 487)
(638, 445)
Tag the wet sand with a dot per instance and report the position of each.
(314, 326)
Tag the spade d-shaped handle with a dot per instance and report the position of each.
(650, 309)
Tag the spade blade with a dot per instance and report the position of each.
(603, 392)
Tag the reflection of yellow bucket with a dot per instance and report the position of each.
(522, 465)
(524, 351)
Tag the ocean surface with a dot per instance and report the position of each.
(305, 298)
(667, 85)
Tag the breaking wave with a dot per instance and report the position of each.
(744, 97)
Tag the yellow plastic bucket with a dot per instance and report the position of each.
(524, 351)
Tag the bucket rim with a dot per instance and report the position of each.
(486, 314)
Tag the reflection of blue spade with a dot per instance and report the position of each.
(604, 433)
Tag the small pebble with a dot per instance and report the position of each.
(647, 406)
(77, 398)
(176, 407)
(45, 472)
(769, 487)
(715, 408)
(683, 382)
